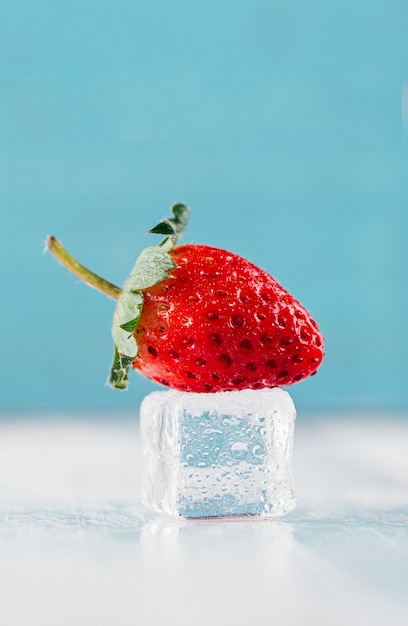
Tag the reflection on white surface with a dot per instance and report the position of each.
(77, 547)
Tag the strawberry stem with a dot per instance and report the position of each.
(68, 261)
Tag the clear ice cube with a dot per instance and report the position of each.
(218, 455)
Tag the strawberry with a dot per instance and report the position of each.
(220, 323)
(201, 319)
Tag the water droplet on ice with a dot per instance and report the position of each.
(239, 449)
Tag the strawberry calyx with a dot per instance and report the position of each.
(152, 266)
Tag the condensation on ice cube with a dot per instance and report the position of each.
(218, 455)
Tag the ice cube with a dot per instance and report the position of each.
(218, 454)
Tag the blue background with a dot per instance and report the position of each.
(284, 126)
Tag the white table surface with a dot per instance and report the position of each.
(77, 548)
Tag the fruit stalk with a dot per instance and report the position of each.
(90, 278)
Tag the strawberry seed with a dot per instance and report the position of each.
(260, 316)
(216, 338)
(246, 344)
(286, 341)
(237, 381)
(225, 358)
(237, 320)
(282, 322)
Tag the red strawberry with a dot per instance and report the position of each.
(220, 323)
(201, 319)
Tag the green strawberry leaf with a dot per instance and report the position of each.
(174, 226)
(163, 228)
(130, 326)
(118, 377)
(125, 318)
(152, 266)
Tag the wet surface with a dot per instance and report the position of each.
(77, 547)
